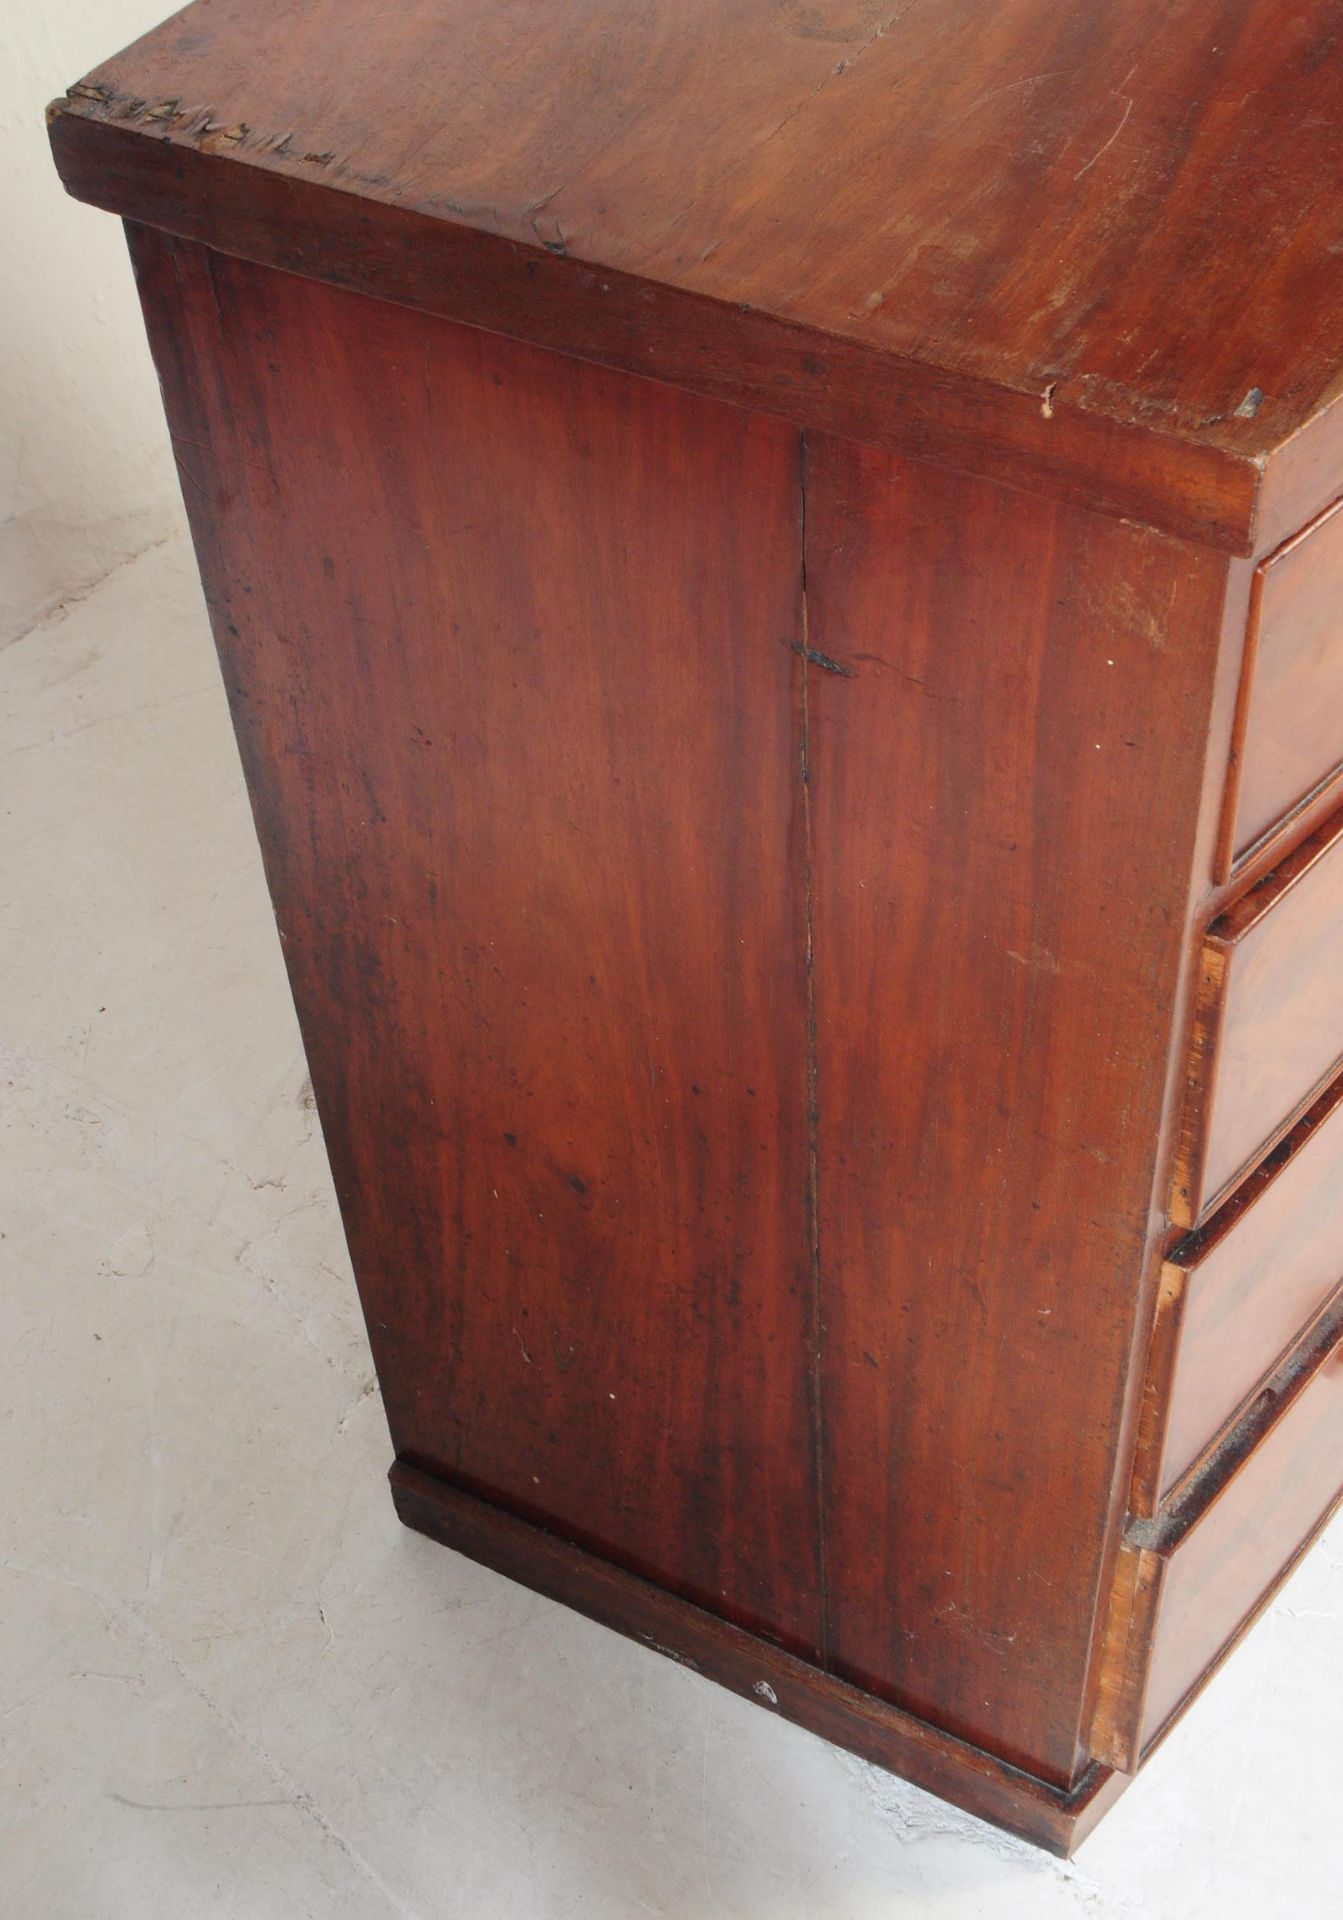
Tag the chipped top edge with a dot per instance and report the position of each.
(1074, 398)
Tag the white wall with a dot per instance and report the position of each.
(86, 479)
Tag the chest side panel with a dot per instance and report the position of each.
(507, 640)
(1006, 751)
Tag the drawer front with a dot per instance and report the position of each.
(1269, 1027)
(1290, 720)
(1228, 1559)
(1238, 1294)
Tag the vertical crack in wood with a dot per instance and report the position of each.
(815, 1384)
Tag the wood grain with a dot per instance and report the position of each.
(1105, 316)
(1005, 781)
(643, 1220)
(1124, 1655)
(509, 644)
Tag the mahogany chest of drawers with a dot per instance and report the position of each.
(779, 576)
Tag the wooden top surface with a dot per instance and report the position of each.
(1073, 220)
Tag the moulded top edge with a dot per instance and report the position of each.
(1095, 254)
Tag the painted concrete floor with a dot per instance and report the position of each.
(230, 1683)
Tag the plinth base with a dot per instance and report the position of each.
(753, 1668)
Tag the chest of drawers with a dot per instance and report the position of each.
(778, 575)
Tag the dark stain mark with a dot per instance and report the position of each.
(822, 660)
